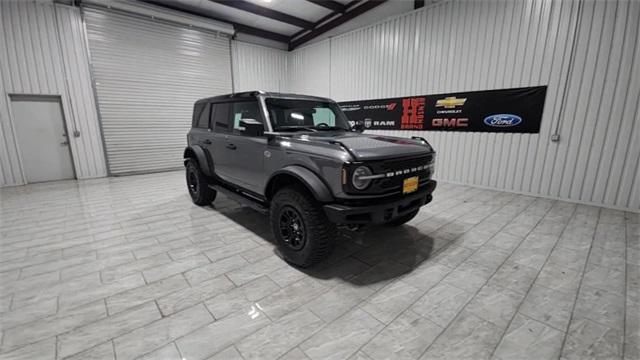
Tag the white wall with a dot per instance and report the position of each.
(310, 71)
(478, 45)
(35, 39)
(257, 67)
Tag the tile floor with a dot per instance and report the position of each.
(127, 268)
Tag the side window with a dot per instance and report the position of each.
(324, 115)
(203, 120)
(220, 116)
(244, 110)
(197, 110)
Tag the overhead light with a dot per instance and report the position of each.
(267, 1)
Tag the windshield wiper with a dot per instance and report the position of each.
(330, 128)
(296, 128)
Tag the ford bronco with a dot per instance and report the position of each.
(298, 159)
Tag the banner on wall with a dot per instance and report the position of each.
(516, 110)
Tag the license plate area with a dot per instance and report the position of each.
(410, 185)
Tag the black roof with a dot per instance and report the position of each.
(256, 93)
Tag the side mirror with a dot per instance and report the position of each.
(251, 127)
(358, 127)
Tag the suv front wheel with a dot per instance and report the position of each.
(201, 193)
(304, 235)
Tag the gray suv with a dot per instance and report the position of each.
(297, 159)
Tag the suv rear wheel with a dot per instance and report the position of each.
(201, 193)
(304, 235)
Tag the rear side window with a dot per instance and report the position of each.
(197, 110)
(221, 118)
(203, 120)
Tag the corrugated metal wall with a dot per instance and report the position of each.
(310, 70)
(148, 75)
(257, 67)
(477, 45)
(35, 38)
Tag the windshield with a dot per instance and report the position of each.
(305, 115)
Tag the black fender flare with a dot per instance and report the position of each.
(307, 177)
(202, 156)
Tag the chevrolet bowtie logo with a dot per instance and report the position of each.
(450, 102)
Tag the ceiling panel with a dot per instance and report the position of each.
(299, 8)
(227, 13)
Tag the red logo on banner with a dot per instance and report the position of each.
(412, 113)
(391, 106)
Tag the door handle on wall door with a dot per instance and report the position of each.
(64, 143)
(231, 146)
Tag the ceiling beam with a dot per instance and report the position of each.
(246, 29)
(330, 4)
(266, 12)
(350, 14)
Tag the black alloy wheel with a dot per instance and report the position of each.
(292, 228)
(192, 182)
(197, 185)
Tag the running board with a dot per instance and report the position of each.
(242, 198)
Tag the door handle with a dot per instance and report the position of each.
(231, 146)
(207, 142)
(64, 143)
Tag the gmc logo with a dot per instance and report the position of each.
(450, 123)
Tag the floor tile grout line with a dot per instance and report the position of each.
(363, 301)
(626, 274)
(564, 332)
(236, 349)
(325, 324)
(437, 283)
(100, 319)
(449, 244)
(583, 272)
(489, 278)
(113, 346)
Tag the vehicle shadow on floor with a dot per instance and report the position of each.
(372, 255)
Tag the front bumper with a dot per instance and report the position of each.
(380, 212)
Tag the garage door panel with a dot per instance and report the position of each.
(148, 74)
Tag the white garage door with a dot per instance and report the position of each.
(148, 74)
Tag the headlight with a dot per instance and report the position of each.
(357, 180)
(431, 167)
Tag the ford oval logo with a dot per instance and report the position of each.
(503, 120)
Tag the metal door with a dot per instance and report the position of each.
(148, 74)
(42, 138)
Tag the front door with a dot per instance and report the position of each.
(42, 138)
(248, 152)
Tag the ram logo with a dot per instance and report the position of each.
(502, 120)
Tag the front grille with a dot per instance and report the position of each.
(399, 164)
(394, 183)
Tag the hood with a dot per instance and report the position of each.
(370, 146)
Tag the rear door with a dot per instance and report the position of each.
(221, 152)
(200, 133)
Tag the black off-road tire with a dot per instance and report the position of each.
(197, 185)
(402, 219)
(319, 233)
